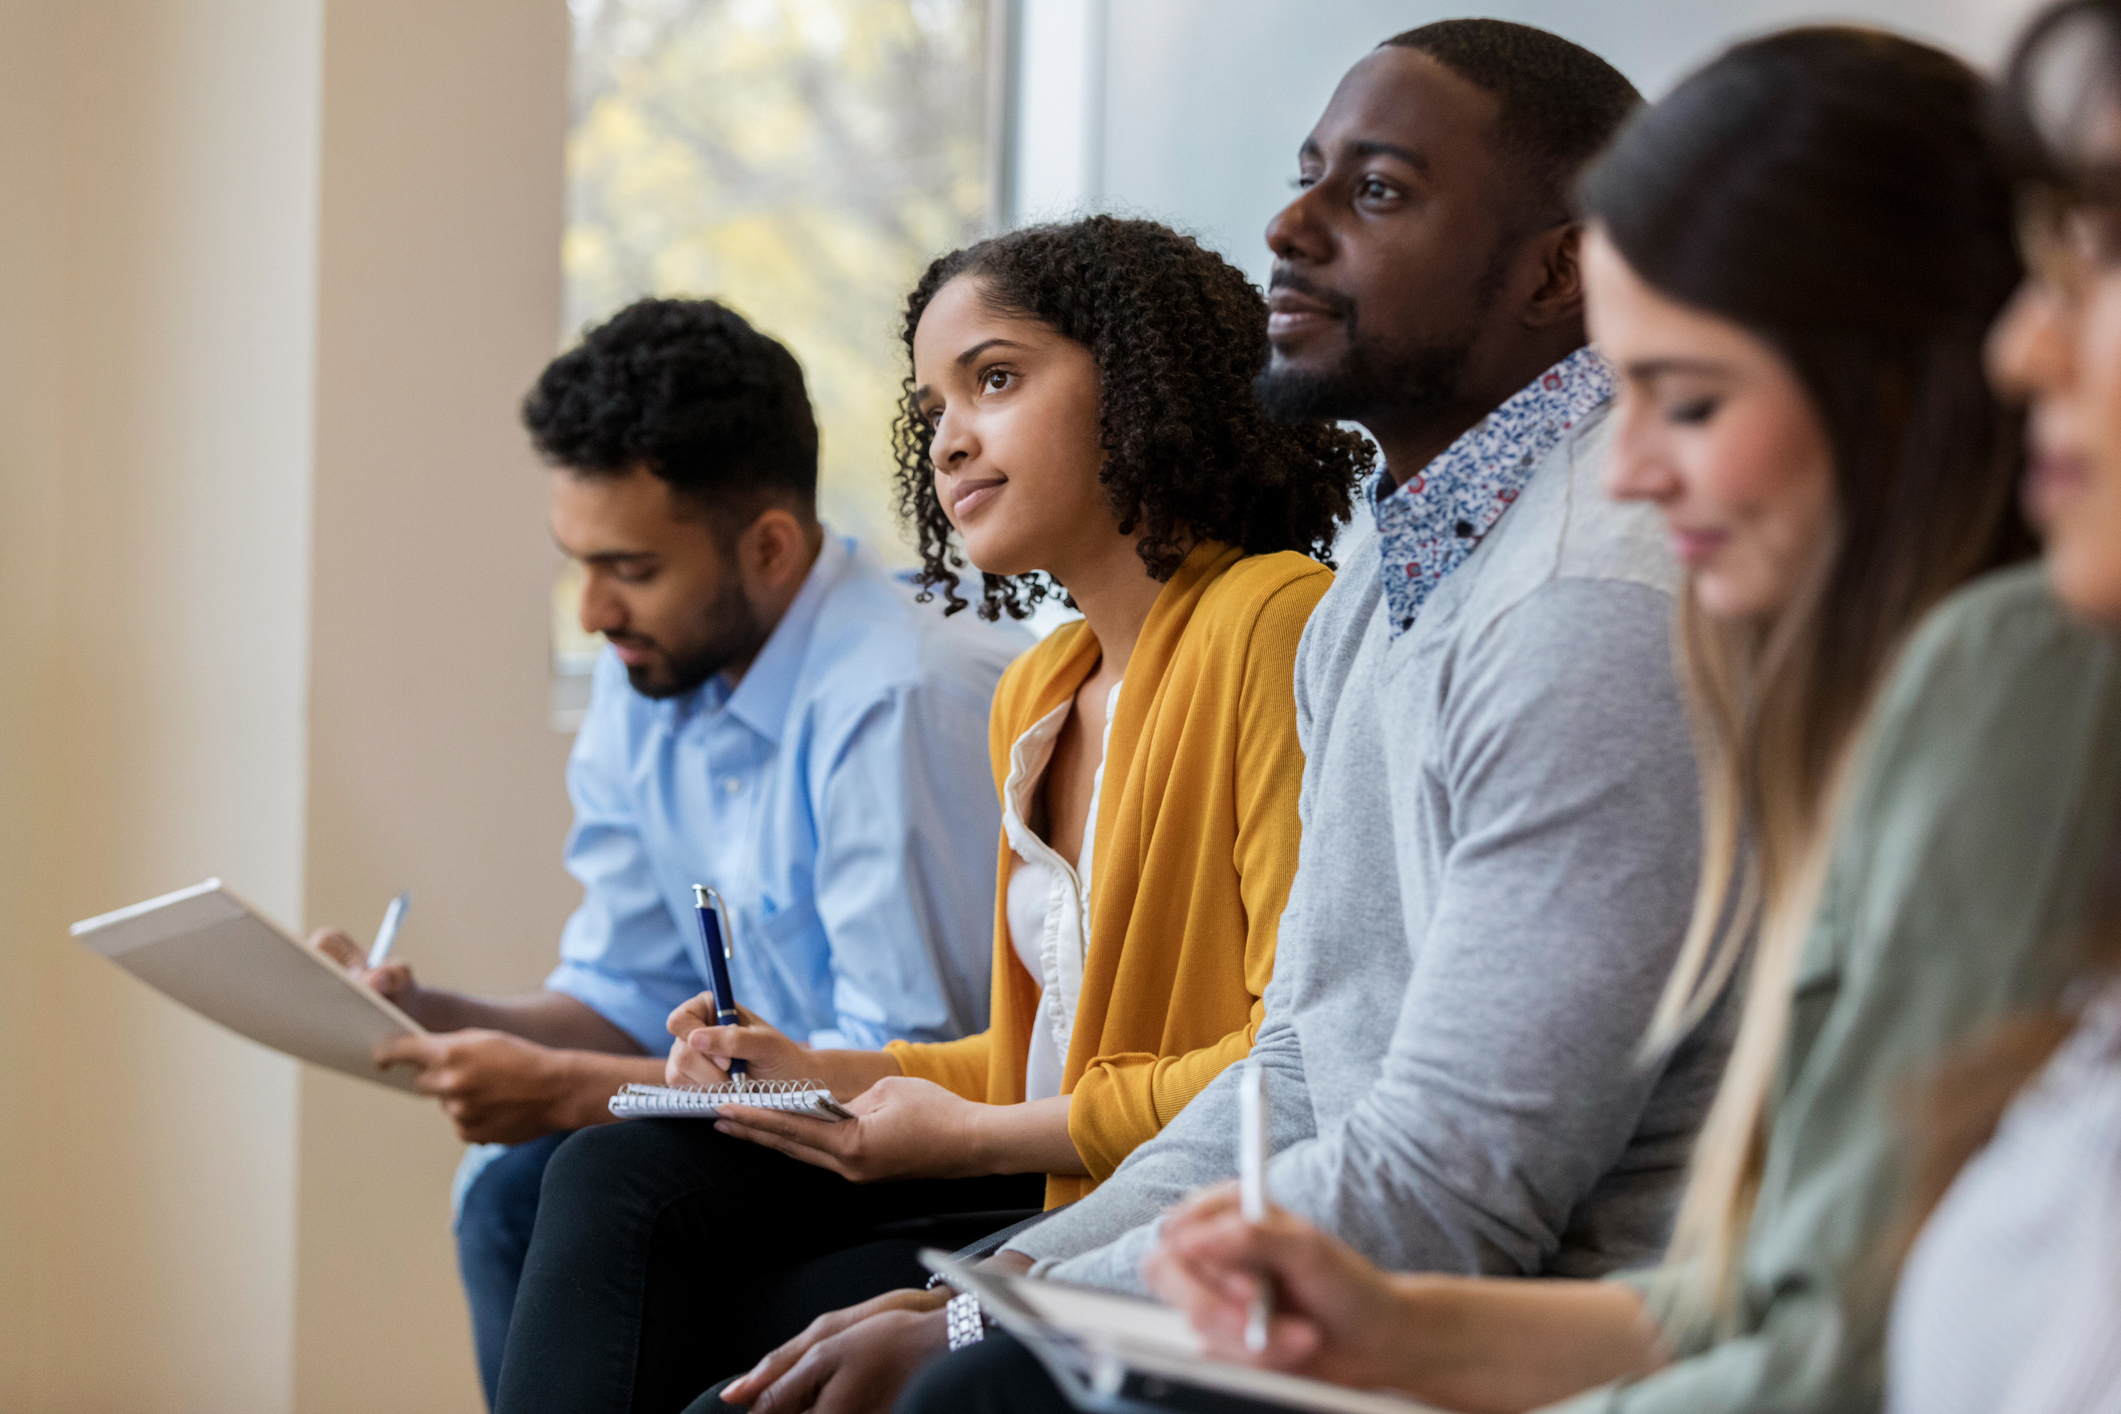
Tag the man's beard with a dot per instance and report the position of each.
(1406, 381)
(1411, 383)
(730, 633)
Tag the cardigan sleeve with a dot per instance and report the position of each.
(958, 1066)
(1122, 1100)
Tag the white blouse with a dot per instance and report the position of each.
(1049, 899)
(2011, 1299)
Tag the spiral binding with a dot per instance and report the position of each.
(748, 1087)
(766, 1094)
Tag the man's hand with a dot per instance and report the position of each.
(392, 981)
(858, 1369)
(902, 1128)
(769, 1371)
(702, 1051)
(497, 1088)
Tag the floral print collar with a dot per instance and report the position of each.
(1427, 527)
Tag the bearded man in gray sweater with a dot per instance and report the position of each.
(1499, 802)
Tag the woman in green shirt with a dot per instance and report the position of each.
(2011, 1300)
(1820, 197)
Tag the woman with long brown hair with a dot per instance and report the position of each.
(1793, 262)
(2012, 1296)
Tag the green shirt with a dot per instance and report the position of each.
(1984, 811)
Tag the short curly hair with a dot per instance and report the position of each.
(689, 390)
(1178, 334)
(1558, 103)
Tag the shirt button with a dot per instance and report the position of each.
(731, 784)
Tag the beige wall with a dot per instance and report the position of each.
(156, 365)
(431, 764)
(264, 264)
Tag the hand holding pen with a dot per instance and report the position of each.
(703, 1049)
(1335, 1316)
(373, 966)
(720, 948)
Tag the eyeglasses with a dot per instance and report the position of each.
(2070, 237)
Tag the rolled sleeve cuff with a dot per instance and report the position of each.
(619, 1001)
(1613, 1398)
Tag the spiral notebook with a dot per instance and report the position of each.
(803, 1097)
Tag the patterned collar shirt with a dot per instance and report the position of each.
(1427, 527)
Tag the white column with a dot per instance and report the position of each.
(432, 764)
(1057, 158)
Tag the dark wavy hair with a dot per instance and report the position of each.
(1177, 333)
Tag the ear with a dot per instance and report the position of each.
(775, 551)
(1558, 298)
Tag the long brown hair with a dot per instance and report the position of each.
(1829, 190)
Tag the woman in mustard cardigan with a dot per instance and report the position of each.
(1078, 420)
(1080, 415)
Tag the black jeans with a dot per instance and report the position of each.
(667, 1255)
(493, 1236)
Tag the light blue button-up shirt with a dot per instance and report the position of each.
(841, 800)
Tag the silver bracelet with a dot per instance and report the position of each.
(963, 1320)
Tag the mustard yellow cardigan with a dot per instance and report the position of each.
(1195, 849)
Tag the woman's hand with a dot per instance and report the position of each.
(702, 1051)
(1335, 1316)
(1489, 1344)
(902, 1128)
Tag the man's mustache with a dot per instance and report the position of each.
(1284, 278)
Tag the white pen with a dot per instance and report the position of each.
(388, 933)
(1252, 1142)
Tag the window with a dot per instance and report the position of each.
(800, 160)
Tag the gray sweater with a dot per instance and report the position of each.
(1500, 841)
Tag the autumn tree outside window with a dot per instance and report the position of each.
(799, 160)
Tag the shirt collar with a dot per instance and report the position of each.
(760, 699)
(1427, 527)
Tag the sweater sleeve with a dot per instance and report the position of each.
(1120, 1102)
(1102, 1239)
(958, 1066)
(1956, 882)
(1510, 1086)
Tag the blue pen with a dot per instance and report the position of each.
(715, 930)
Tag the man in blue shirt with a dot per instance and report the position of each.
(775, 717)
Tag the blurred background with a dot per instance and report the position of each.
(277, 601)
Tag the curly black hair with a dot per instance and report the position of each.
(1177, 333)
(689, 390)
